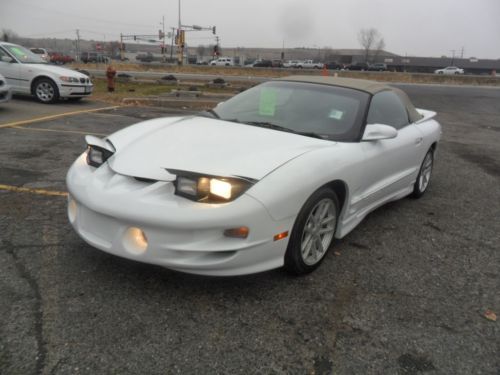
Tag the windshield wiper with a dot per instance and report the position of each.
(270, 125)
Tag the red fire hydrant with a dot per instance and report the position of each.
(110, 75)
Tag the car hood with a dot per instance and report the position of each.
(56, 70)
(204, 145)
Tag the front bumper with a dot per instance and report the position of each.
(75, 91)
(5, 94)
(181, 235)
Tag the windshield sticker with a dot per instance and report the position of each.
(267, 105)
(336, 114)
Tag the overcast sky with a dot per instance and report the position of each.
(420, 27)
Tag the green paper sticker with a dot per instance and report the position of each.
(17, 51)
(267, 105)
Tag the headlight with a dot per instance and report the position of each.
(98, 150)
(97, 156)
(209, 189)
(69, 79)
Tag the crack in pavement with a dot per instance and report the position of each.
(38, 310)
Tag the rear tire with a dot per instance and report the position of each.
(46, 91)
(424, 175)
(313, 232)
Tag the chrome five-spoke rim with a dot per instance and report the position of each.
(425, 173)
(318, 232)
(45, 91)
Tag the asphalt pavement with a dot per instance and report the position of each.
(405, 293)
(24, 108)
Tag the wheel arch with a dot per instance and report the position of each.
(39, 77)
(340, 188)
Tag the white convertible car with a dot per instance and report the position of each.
(267, 179)
(28, 74)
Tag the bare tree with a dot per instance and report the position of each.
(371, 40)
(8, 35)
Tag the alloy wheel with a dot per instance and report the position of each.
(318, 231)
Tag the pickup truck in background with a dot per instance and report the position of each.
(309, 64)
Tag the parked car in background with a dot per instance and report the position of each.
(42, 52)
(59, 58)
(144, 57)
(309, 64)
(5, 90)
(263, 64)
(277, 63)
(292, 63)
(96, 57)
(27, 73)
(222, 61)
(357, 66)
(449, 70)
(333, 65)
(378, 67)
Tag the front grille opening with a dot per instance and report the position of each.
(145, 180)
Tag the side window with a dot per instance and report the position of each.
(3, 56)
(386, 108)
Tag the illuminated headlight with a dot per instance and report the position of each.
(96, 156)
(69, 79)
(209, 189)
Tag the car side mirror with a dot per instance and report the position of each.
(376, 132)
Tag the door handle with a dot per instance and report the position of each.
(418, 140)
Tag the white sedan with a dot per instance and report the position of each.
(449, 70)
(27, 73)
(5, 91)
(267, 179)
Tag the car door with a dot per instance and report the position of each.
(391, 165)
(10, 69)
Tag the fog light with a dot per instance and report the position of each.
(72, 209)
(135, 241)
(241, 232)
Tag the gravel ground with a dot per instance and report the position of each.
(404, 293)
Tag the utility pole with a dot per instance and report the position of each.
(462, 53)
(77, 45)
(164, 47)
(172, 45)
(180, 58)
(452, 57)
(121, 47)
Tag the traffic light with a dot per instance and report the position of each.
(216, 50)
(183, 37)
(213, 30)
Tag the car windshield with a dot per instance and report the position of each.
(24, 55)
(324, 111)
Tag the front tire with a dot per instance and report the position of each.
(424, 175)
(46, 91)
(312, 233)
